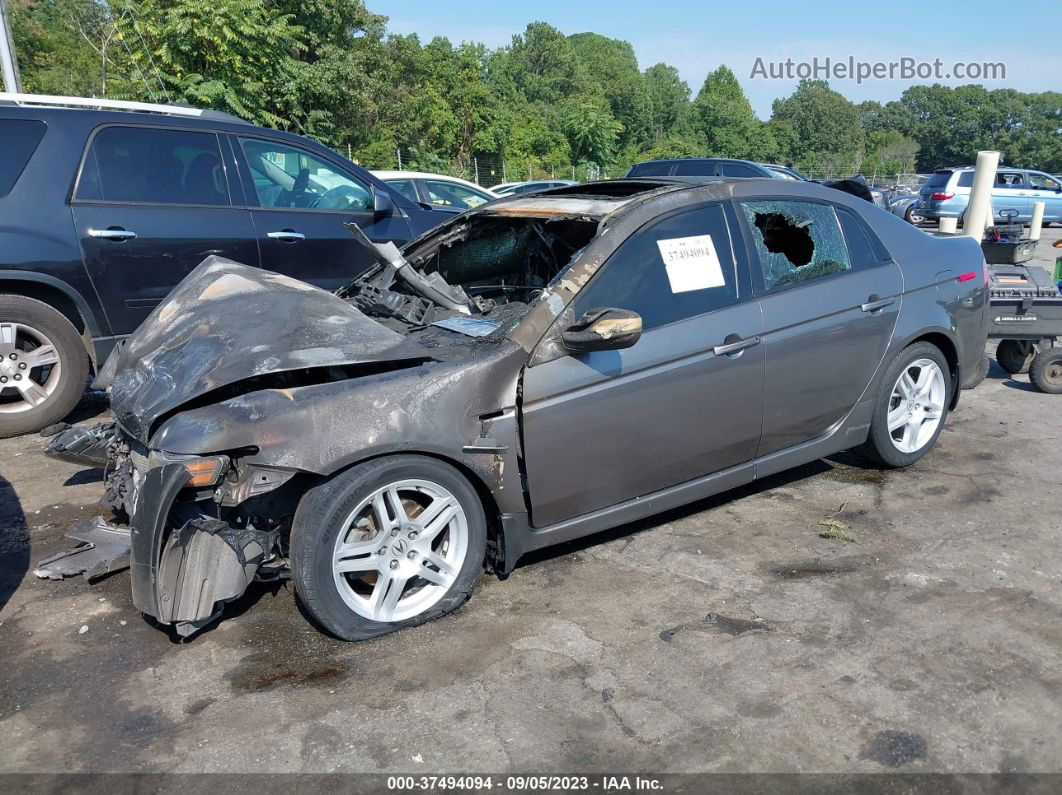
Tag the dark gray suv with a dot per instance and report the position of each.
(104, 211)
(535, 370)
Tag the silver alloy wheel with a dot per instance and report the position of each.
(400, 550)
(30, 369)
(916, 406)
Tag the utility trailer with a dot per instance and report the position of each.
(1026, 318)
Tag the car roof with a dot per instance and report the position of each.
(93, 117)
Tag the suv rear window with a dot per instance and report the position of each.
(965, 179)
(938, 179)
(657, 169)
(149, 165)
(20, 137)
(695, 168)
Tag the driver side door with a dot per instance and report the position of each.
(303, 201)
(685, 401)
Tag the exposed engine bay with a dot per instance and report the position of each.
(485, 263)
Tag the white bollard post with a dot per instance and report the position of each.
(979, 210)
(1037, 221)
(947, 226)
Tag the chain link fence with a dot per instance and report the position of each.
(492, 170)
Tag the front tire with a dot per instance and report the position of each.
(43, 365)
(390, 543)
(911, 406)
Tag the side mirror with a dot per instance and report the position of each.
(382, 204)
(603, 330)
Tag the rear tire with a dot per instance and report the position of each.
(916, 411)
(1015, 356)
(1045, 373)
(44, 365)
(364, 567)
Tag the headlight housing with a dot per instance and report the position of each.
(203, 471)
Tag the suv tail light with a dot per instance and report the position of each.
(984, 266)
(942, 197)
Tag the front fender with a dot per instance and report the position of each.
(464, 412)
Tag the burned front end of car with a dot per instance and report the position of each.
(244, 390)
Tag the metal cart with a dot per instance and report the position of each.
(1026, 318)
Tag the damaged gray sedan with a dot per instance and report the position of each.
(533, 371)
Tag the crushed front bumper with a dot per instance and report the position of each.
(183, 575)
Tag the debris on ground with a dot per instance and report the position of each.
(836, 530)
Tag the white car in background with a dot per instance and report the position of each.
(438, 190)
(512, 188)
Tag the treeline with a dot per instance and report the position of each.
(329, 69)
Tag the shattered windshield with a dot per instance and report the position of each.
(796, 240)
(487, 266)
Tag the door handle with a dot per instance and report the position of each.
(287, 235)
(731, 348)
(112, 234)
(877, 306)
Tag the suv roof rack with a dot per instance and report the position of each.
(48, 100)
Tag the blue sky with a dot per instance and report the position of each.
(696, 37)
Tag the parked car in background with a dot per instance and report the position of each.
(946, 193)
(703, 167)
(517, 188)
(906, 207)
(106, 205)
(451, 194)
(498, 387)
(785, 172)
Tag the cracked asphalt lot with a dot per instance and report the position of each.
(727, 636)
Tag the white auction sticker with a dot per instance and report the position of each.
(691, 263)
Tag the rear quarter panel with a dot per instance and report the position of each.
(935, 301)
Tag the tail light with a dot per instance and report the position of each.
(967, 277)
(942, 197)
(984, 266)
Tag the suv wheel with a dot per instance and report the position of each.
(913, 400)
(387, 544)
(43, 365)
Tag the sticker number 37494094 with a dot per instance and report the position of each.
(691, 263)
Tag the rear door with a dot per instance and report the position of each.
(830, 299)
(303, 201)
(600, 428)
(1046, 189)
(1011, 192)
(150, 204)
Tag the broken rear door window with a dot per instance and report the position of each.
(795, 241)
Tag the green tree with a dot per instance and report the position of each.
(669, 99)
(723, 116)
(64, 47)
(826, 124)
(592, 132)
(612, 68)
